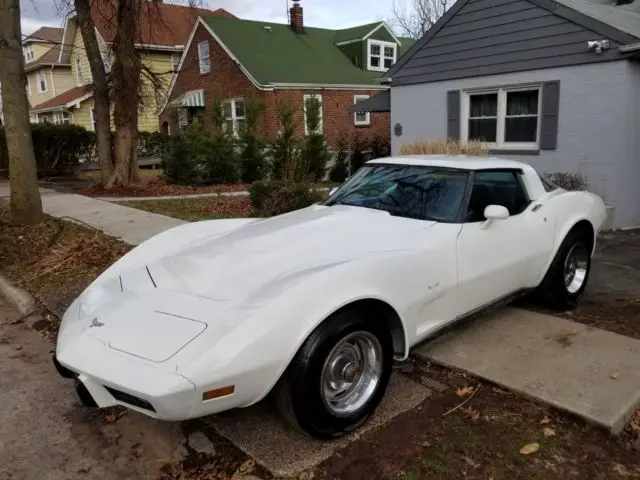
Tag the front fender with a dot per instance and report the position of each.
(262, 347)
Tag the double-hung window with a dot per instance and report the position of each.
(92, 118)
(79, 75)
(203, 57)
(234, 116)
(381, 55)
(361, 118)
(61, 117)
(41, 81)
(29, 56)
(503, 117)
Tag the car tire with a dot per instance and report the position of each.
(568, 274)
(338, 377)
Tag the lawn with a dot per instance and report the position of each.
(153, 185)
(194, 209)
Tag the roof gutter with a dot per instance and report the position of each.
(320, 86)
(632, 47)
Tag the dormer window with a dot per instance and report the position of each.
(382, 55)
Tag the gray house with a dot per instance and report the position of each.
(554, 83)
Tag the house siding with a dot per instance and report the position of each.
(226, 80)
(488, 37)
(153, 94)
(78, 51)
(598, 113)
(63, 80)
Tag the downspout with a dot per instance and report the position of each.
(53, 83)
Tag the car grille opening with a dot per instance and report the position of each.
(130, 399)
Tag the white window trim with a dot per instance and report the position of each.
(500, 144)
(79, 75)
(58, 117)
(92, 118)
(382, 44)
(204, 69)
(40, 78)
(367, 121)
(29, 56)
(233, 117)
(28, 88)
(304, 100)
(175, 61)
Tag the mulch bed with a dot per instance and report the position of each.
(55, 260)
(194, 209)
(158, 187)
(483, 439)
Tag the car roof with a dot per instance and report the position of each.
(466, 162)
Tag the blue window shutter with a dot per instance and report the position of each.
(549, 115)
(453, 114)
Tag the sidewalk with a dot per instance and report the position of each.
(127, 224)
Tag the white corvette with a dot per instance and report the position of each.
(314, 305)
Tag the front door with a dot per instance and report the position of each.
(497, 259)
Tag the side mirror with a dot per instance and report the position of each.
(333, 190)
(492, 213)
(496, 212)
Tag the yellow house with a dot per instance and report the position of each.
(164, 31)
(47, 76)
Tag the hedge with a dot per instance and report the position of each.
(57, 148)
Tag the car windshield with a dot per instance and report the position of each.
(423, 193)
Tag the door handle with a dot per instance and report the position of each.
(536, 207)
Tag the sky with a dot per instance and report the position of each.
(317, 13)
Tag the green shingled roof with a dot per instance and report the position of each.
(354, 33)
(279, 55)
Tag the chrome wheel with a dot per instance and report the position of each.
(351, 373)
(575, 268)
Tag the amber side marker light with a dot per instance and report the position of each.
(218, 392)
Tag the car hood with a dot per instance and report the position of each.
(238, 264)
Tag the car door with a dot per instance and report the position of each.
(499, 257)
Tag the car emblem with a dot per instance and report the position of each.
(95, 323)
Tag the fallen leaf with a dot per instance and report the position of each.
(464, 391)
(545, 421)
(549, 432)
(110, 418)
(530, 448)
(470, 462)
(621, 470)
(245, 468)
(615, 375)
(471, 412)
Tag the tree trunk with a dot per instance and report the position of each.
(102, 103)
(26, 204)
(126, 84)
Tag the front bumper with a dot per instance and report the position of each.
(106, 379)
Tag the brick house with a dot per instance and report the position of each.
(235, 59)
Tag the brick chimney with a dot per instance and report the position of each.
(297, 20)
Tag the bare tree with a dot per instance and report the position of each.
(412, 18)
(102, 102)
(26, 204)
(126, 71)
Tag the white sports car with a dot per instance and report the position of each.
(314, 305)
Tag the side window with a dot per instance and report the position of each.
(496, 188)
